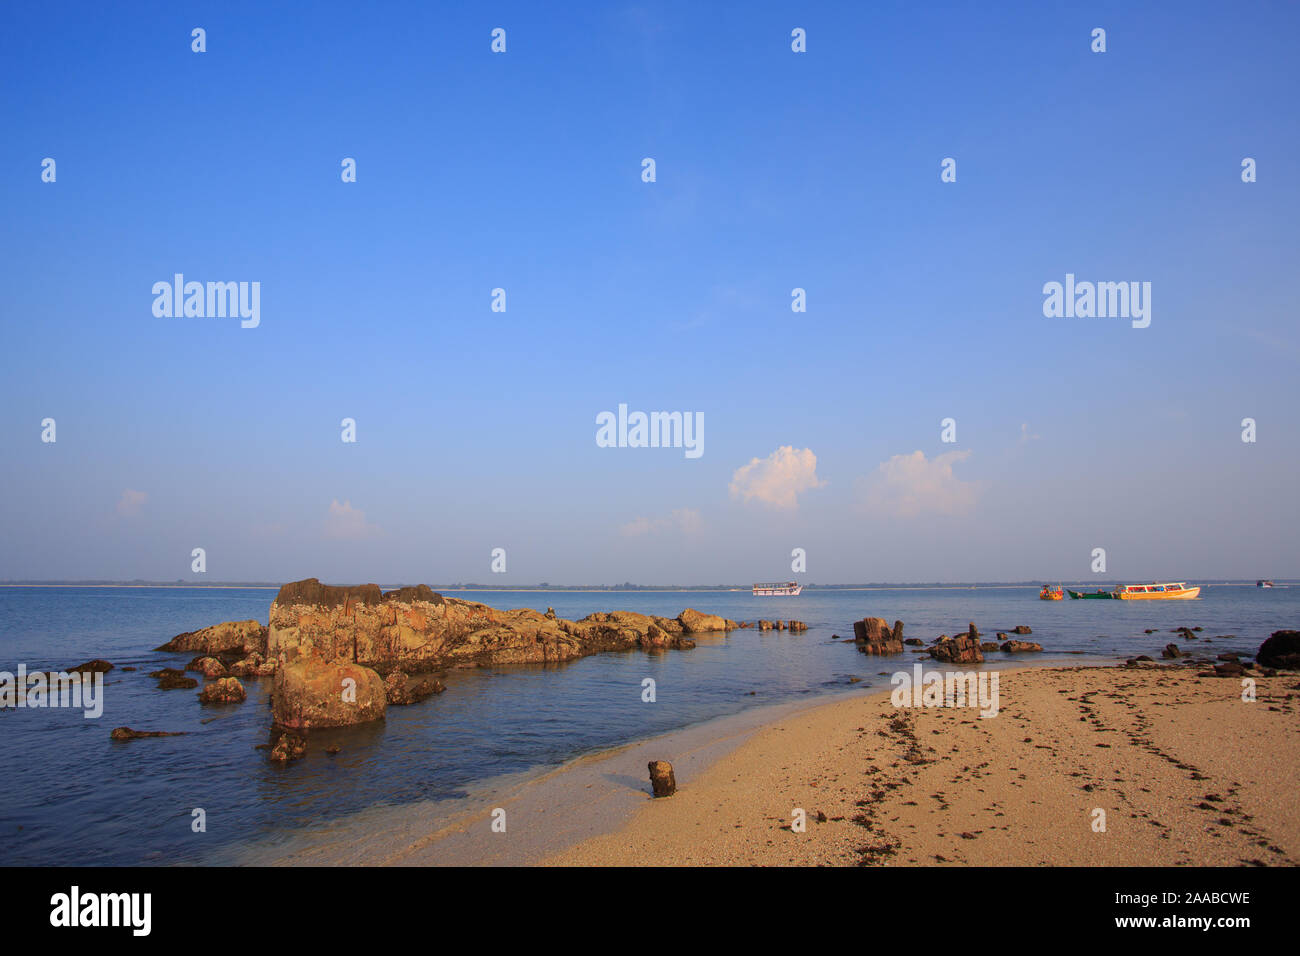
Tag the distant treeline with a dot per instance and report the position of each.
(626, 586)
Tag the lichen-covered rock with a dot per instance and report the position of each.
(242, 636)
(227, 690)
(314, 693)
(400, 689)
(209, 667)
(695, 622)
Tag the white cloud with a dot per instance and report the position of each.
(348, 523)
(910, 485)
(131, 502)
(683, 520)
(778, 479)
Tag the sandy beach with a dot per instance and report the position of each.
(1184, 771)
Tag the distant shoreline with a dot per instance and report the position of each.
(599, 589)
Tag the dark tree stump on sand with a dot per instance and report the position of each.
(662, 779)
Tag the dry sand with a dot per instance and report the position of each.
(1186, 772)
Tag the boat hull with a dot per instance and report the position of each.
(1186, 594)
(1097, 596)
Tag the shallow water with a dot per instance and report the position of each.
(71, 795)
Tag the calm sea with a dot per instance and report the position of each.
(72, 796)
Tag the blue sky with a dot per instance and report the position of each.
(775, 170)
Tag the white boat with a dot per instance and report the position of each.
(788, 589)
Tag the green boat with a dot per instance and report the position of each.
(1098, 595)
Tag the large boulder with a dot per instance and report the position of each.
(314, 693)
(1281, 650)
(874, 636)
(243, 637)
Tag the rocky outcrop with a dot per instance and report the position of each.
(1171, 652)
(328, 647)
(96, 666)
(960, 649)
(874, 636)
(415, 629)
(243, 637)
(1281, 650)
(798, 626)
(1021, 629)
(227, 690)
(315, 693)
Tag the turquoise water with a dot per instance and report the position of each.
(72, 796)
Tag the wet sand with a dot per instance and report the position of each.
(1184, 771)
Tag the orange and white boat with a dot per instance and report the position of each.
(1156, 592)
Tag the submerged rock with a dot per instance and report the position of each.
(169, 678)
(96, 666)
(286, 746)
(1021, 629)
(126, 733)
